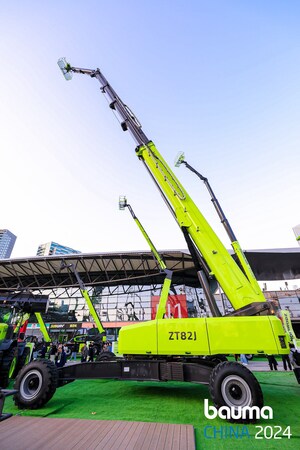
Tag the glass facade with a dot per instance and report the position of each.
(7, 242)
(119, 306)
(116, 307)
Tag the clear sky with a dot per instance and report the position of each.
(219, 80)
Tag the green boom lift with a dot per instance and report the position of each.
(161, 310)
(178, 349)
(98, 334)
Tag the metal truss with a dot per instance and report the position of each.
(109, 270)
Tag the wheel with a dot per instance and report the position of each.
(36, 383)
(233, 385)
(106, 356)
(23, 360)
(8, 367)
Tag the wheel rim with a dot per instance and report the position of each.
(236, 391)
(12, 367)
(31, 384)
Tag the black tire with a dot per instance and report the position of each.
(8, 366)
(23, 360)
(233, 385)
(106, 356)
(36, 383)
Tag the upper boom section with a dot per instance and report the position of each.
(239, 290)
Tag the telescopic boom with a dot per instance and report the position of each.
(212, 259)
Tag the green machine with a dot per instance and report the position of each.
(182, 349)
(98, 334)
(248, 331)
(168, 273)
(15, 310)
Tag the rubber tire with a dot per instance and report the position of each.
(243, 375)
(10, 357)
(36, 384)
(23, 360)
(106, 356)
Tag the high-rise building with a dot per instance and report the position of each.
(52, 248)
(7, 242)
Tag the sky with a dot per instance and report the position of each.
(217, 80)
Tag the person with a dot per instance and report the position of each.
(84, 353)
(75, 348)
(244, 360)
(44, 349)
(91, 352)
(52, 352)
(105, 347)
(286, 362)
(61, 357)
(272, 362)
(294, 356)
(236, 356)
(35, 348)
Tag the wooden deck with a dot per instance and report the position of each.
(39, 433)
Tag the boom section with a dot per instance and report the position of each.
(232, 280)
(239, 291)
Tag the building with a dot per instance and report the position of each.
(7, 242)
(52, 248)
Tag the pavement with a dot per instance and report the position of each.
(263, 366)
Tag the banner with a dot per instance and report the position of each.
(176, 306)
(287, 324)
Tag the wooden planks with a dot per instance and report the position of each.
(37, 433)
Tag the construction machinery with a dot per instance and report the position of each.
(15, 310)
(161, 311)
(97, 334)
(178, 349)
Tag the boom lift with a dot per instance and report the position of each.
(177, 349)
(161, 310)
(100, 336)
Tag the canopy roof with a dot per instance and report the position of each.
(133, 268)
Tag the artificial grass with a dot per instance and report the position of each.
(174, 402)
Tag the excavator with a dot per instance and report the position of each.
(179, 349)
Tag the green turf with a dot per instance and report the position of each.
(173, 402)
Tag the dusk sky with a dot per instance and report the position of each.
(219, 80)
